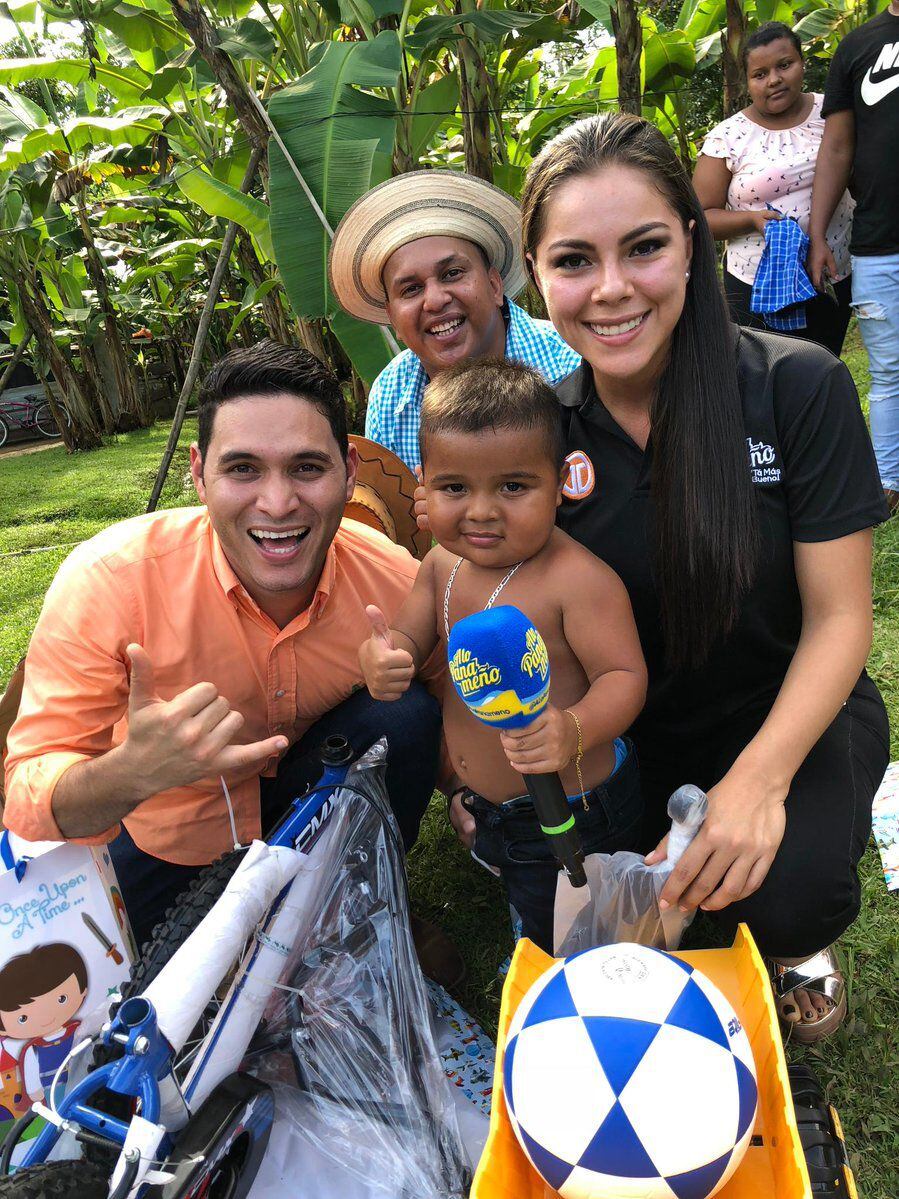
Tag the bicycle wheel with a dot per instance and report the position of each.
(45, 422)
(57, 1180)
(4, 431)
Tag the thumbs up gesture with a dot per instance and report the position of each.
(171, 743)
(387, 671)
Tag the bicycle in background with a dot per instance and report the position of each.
(31, 413)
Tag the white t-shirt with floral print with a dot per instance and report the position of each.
(776, 167)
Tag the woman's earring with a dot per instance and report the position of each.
(686, 274)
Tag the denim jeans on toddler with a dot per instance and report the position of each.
(875, 301)
(508, 836)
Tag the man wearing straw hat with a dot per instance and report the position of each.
(436, 255)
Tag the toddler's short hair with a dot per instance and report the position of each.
(492, 393)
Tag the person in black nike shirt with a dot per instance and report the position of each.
(860, 147)
(727, 476)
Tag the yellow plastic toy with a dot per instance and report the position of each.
(774, 1165)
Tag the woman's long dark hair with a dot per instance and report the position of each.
(706, 529)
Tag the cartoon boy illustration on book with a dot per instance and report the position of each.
(41, 992)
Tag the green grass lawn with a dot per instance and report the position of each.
(52, 499)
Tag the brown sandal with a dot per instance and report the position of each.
(821, 974)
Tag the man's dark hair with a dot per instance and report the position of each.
(771, 31)
(492, 393)
(271, 368)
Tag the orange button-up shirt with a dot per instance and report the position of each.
(163, 581)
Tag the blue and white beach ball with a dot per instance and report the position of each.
(627, 1075)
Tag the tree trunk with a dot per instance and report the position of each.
(50, 397)
(84, 432)
(273, 316)
(94, 388)
(402, 146)
(735, 93)
(191, 15)
(474, 95)
(474, 91)
(628, 48)
(131, 404)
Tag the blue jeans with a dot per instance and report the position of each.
(411, 725)
(508, 836)
(875, 301)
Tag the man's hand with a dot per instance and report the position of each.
(171, 743)
(818, 260)
(547, 744)
(733, 851)
(387, 671)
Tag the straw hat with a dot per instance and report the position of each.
(415, 205)
(384, 496)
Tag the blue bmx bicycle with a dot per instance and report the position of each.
(170, 1108)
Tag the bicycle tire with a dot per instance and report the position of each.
(57, 1180)
(46, 423)
(4, 431)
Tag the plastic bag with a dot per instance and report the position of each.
(350, 1025)
(621, 899)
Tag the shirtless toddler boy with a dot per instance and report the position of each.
(493, 460)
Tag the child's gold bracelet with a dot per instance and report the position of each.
(580, 754)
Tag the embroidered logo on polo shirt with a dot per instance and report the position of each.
(581, 476)
(762, 460)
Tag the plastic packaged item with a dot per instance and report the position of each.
(350, 1022)
(621, 899)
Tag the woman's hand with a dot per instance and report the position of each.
(761, 218)
(734, 849)
(547, 744)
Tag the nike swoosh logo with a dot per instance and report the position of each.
(873, 93)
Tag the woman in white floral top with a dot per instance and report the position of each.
(765, 156)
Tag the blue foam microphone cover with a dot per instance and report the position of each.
(499, 667)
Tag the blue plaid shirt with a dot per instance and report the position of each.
(394, 402)
(781, 285)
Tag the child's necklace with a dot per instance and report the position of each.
(449, 587)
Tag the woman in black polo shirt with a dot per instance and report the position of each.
(727, 475)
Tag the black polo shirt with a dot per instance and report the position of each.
(815, 478)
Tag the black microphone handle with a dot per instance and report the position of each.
(556, 821)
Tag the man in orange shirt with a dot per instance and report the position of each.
(199, 646)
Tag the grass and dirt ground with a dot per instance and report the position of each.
(51, 501)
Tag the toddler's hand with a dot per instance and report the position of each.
(547, 744)
(462, 821)
(421, 503)
(387, 671)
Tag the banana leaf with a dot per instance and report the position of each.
(364, 344)
(218, 198)
(432, 104)
(490, 25)
(131, 127)
(125, 83)
(335, 133)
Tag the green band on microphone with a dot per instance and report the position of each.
(558, 828)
